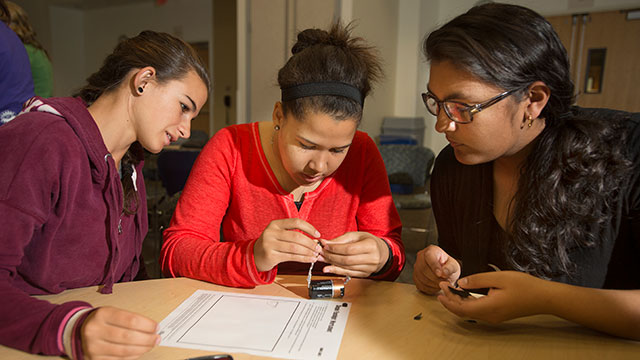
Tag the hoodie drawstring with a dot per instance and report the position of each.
(113, 236)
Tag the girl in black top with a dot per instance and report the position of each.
(528, 184)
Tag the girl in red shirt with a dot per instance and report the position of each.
(303, 187)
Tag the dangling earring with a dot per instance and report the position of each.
(524, 120)
(140, 89)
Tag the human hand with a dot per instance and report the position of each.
(432, 266)
(110, 333)
(511, 295)
(279, 242)
(355, 253)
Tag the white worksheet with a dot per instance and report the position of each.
(259, 325)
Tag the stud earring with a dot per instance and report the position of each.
(276, 128)
(140, 89)
(530, 120)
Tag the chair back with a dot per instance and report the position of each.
(174, 167)
(411, 162)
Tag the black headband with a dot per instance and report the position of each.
(322, 88)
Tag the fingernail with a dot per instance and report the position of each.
(438, 272)
(325, 269)
(318, 248)
(445, 271)
(462, 282)
(158, 339)
(317, 234)
(321, 258)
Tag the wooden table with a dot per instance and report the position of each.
(381, 324)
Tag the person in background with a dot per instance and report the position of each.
(530, 185)
(16, 83)
(41, 69)
(302, 187)
(72, 197)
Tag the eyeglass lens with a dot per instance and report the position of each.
(456, 112)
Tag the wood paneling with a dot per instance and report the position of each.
(621, 39)
(201, 122)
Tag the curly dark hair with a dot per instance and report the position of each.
(334, 55)
(571, 178)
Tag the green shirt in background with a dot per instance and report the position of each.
(41, 71)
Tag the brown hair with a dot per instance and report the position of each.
(18, 21)
(172, 59)
(5, 16)
(329, 56)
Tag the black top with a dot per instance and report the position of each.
(299, 202)
(462, 197)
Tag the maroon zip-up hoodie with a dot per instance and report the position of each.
(61, 220)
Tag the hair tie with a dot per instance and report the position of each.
(323, 88)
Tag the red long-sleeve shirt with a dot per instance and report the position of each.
(232, 185)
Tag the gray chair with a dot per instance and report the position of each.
(408, 168)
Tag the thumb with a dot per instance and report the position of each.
(435, 257)
(342, 239)
(478, 281)
(451, 268)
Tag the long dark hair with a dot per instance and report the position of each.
(334, 55)
(172, 59)
(569, 182)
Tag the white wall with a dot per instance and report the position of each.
(79, 37)
(39, 17)
(377, 22)
(267, 49)
(67, 50)
(186, 19)
(266, 31)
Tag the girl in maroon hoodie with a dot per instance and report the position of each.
(72, 198)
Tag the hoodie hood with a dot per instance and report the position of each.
(75, 113)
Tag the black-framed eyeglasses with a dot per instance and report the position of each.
(457, 111)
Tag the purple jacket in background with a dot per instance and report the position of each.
(16, 81)
(61, 207)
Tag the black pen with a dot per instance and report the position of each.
(213, 357)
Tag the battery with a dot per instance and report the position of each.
(319, 289)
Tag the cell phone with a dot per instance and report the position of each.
(460, 292)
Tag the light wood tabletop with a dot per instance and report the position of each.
(382, 324)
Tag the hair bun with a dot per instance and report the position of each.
(311, 37)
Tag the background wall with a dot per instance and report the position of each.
(67, 50)
(189, 20)
(435, 13)
(79, 33)
(270, 28)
